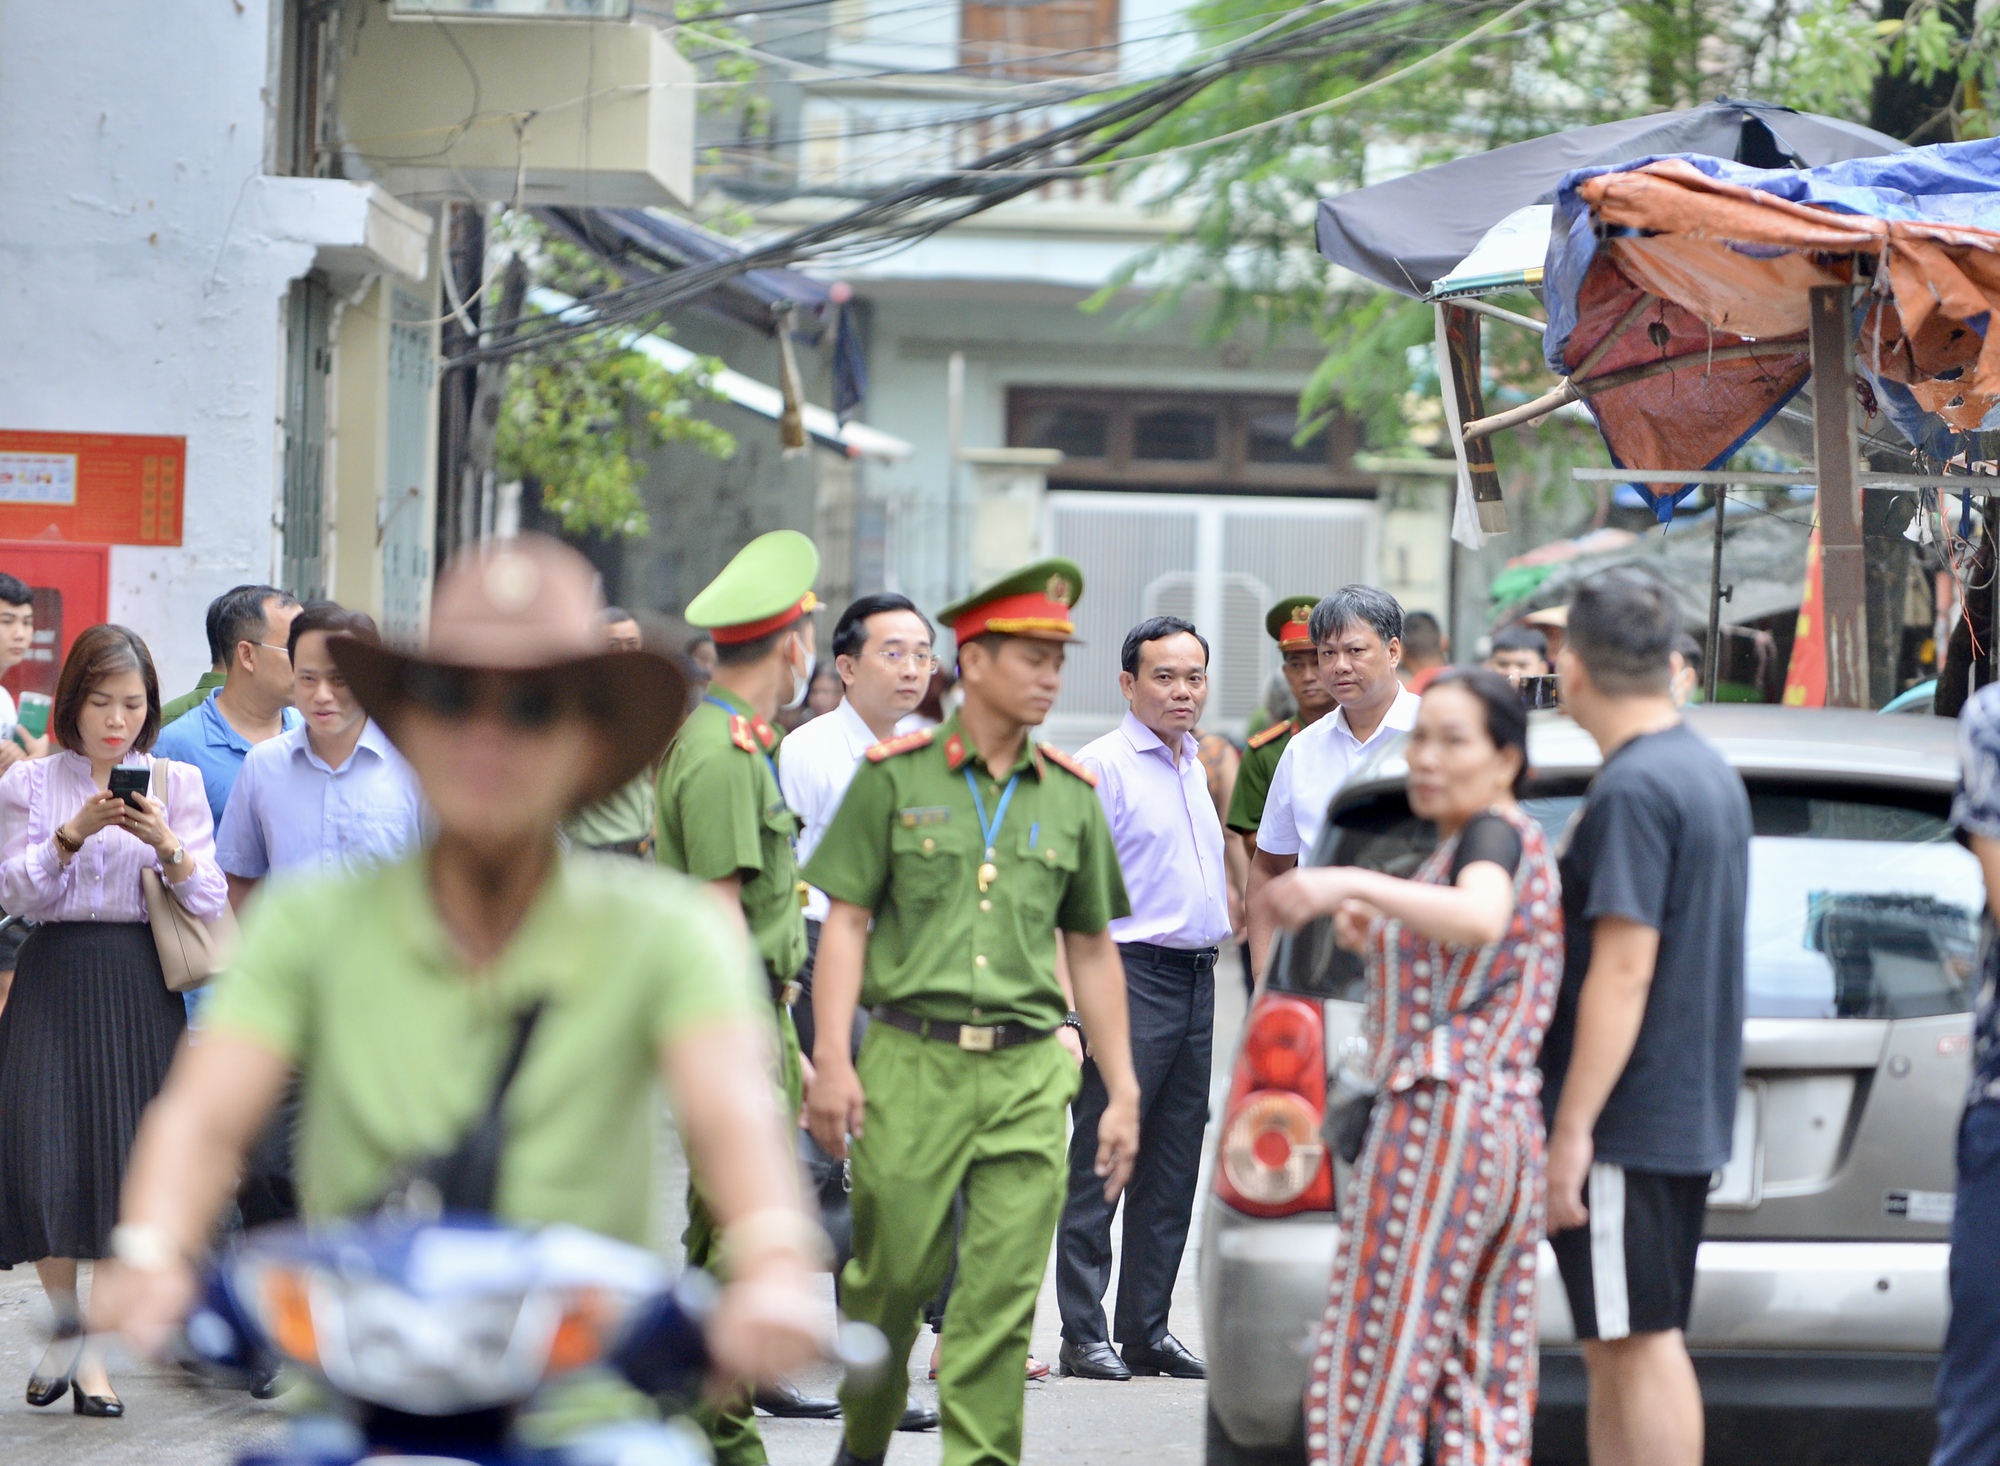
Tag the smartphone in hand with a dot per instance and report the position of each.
(129, 784)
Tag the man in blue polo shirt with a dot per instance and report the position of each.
(253, 704)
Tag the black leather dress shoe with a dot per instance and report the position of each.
(104, 1407)
(1169, 1357)
(845, 1457)
(64, 1349)
(268, 1381)
(918, 1417)
(787, 1403)
(1091, 1361)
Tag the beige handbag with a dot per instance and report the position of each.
(191, 950)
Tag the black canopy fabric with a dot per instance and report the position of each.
(641, 243)
(1409, 232)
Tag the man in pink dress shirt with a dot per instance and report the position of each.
(1169, 839)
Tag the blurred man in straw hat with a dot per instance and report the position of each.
(396, 992)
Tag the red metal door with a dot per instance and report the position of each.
(71, 585)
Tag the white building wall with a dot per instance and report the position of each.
(143, 269)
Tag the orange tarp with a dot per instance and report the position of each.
(1740, 260)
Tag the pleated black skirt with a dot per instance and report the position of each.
(85, 1041)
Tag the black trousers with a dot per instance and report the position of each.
(1170, 996)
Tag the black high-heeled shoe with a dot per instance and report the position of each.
(105, 1407)
(46, 1389)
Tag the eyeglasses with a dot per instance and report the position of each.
(524, 702)
(896, 659)
(270, 646)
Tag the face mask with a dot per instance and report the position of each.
(801, 683)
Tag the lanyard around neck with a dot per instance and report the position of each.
(991, 830)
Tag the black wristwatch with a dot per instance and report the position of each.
(1073, 1020)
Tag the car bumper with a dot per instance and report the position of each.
(1774, 1407)
(1263, 1289)
(1843, 1335)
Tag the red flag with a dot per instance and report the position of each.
(1805, 678)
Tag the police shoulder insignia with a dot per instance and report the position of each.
(767, 736)
(740, 734)
(901, 743)
(1064, 761)
(1271, 734)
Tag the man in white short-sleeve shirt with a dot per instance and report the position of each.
(1358, 630)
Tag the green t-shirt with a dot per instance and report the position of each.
(722, 814)
(622, 818)
(906, 844)
(1253, 776)
(353, 980)
(187, 702)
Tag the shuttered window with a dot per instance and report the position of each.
(308, 359)
(1052, 38)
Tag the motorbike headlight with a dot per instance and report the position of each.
(431, 1356)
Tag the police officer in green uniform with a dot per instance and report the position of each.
(956, 857)
(1287, 625)
(722, 819)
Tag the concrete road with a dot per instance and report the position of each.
(172, 1420)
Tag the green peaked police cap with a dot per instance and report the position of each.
(764, 589)
(1288, 622)
(1036, 600)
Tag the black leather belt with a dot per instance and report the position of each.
(974, 1038)
(639, 848)
(1182, 959)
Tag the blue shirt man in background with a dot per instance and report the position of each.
(247, 628)
(254, 703)
(1968, 1382)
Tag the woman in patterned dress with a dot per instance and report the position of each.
(1429, 1331)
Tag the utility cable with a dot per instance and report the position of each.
(922, 208)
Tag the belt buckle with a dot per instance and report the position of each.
(977, 1040)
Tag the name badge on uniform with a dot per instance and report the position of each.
(929, 814)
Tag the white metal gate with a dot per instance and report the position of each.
(1219, 561)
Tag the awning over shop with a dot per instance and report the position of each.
(1695, 271)
(1410, 233)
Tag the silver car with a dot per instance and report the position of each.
(1820, 1294)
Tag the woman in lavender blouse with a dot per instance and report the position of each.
(90, 1029)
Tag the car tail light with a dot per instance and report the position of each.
(1273, 1160)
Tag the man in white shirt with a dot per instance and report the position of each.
(1154, 790)
(1359, 633)
(882, 650)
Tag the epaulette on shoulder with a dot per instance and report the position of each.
(740, 733)
(901, 743)
(1065, 761)
(1271, 734)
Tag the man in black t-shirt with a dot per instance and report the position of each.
(1644, 1055)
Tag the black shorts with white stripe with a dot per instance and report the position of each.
(1630, 1269)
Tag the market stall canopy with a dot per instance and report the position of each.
(1693, 275)
(1410, 233)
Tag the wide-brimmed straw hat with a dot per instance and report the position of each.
(530, 607)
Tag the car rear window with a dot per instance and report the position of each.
(1862, 905)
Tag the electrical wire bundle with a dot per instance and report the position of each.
(1088, 143)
